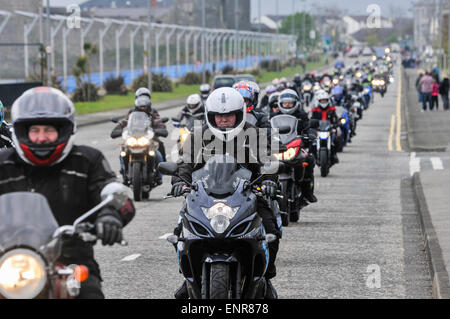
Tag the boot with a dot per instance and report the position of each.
(271, 292)
(182, 292)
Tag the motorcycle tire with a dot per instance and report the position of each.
(137, 181)
(324, 162)
(146, 195)
(339, 144)
(284, 204)
(294, 212)
(219, 283)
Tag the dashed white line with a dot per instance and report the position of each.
(437, 163)
(131, 257)
(414, 164)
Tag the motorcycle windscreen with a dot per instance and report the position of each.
(138, 124)
(285, 120)
(26, 220)
(221, 175)
(324, 126)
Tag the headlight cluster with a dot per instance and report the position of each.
(366, 91)
(343, 121)
(141, 141)
(22, 274)
(183, 136)
(378, 82)
(220, 215)
(307, 87)
(288, 155)
(335, 81)
(324, 135)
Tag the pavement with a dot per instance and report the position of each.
(428, 136)
(362, 239)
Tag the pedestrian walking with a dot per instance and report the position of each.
(435, 95)
(418, 86)
(443, 91)
(426, 87)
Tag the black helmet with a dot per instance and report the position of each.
(43, 106)
(143, 104)
(143, 92)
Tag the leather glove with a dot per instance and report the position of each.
(269, 188)
(178, 189)
(108, 228)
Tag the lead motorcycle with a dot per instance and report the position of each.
(31, 242)
(139, 154)
(223, 248)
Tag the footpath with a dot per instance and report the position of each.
(430, 132)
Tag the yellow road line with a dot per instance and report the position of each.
(399, 114)
(391, 133)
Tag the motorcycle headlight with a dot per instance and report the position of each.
(220, 224)
(343, 121)
(220, 209)
(335, 81)
(358, 74)
(307, 87)
(22, 274)
(131, 141)
(366, 91)
(382, 82)
(288, 155)
(143, 141)
(324, 135)
(183, 136)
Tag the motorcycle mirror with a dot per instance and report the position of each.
(165, 119)
(313, 123)
(168, 168)
(119, 192)
(115, 119)
(173, 239)
(175, 119)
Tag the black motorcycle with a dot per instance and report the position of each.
(290, 201)
(323, 147)
(31, 243)
(186, 125)
(223, 248)
(139, 154)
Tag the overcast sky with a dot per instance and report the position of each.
(358, 7)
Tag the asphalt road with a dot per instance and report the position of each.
(361, 240)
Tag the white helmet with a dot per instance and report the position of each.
(290, 96)
(256, 91)
(225, 101)
(205, 89)
(322, 95)
(143, 91)
(194, 102)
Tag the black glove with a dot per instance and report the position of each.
(109, 227)
(178, 189)
(269, 188)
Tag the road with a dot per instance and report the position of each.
(361, 240)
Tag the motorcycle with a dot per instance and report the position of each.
(290, 202)
(379, 85)
(31, 243)
(323, 147)
(307, 94)
(343, 131)
(223, 248)
(139, 154)
(186, 126)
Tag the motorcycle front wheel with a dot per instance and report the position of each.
(324, 162)
(137, 181)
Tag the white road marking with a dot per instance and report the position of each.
(94, 142)
(131, 257)
(414, 164)
(437, 163)
(165, 236)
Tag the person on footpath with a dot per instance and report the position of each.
(419, 92)
(443, 91)
(435, 95)
(426, 87)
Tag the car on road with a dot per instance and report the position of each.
(223, 80)
(244, 77)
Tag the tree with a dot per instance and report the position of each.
(301, 19)
(83, 68)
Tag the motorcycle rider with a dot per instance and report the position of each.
(289, 103)
(298, 82)
(265, 99)
(254, 117)
(273, 104)
(225, 112)
(205, 90)
(143, 104)
(194, 106)
(325, 111)
(338, 96)
(5, 132)
(71, 177)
